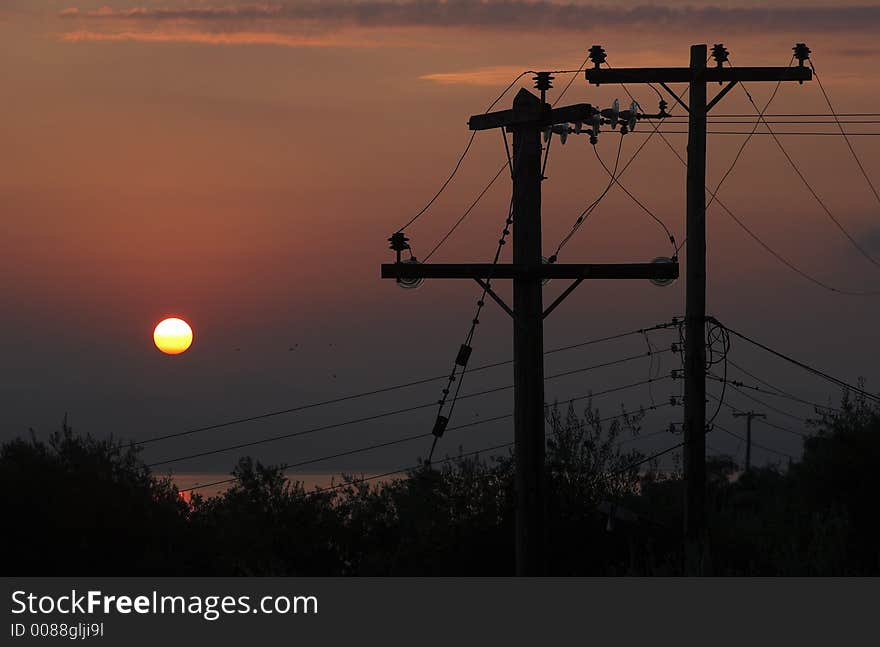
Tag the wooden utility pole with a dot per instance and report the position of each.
(527, 120)
(528, 346)
(694, 451)
(697, 76)
(748, 416)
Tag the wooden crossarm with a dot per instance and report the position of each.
(643, 271)
(686, 75)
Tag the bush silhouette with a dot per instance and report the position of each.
(82, 506)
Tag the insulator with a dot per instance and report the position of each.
(440, 426)
(399, 241)
(720, 54)
(410, 283)
(801, 53)
(597, 55)
(662, 283)
(663, 105)
(464, 354)
(633, 115)
(543, 81)
(612, 113)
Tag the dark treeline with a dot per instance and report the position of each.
(76, 505)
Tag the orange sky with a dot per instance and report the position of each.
(242, 165)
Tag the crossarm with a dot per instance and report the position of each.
(686, 75)
(545, 271)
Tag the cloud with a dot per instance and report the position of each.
(241, 12)
(310, 23)
(531, 14)
(220, 38)
(488, 76)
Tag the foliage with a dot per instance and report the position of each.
(79, 505)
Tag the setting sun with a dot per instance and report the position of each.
(173, 336)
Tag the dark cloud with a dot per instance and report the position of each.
(508, 13)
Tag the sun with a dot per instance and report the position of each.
(173, 336)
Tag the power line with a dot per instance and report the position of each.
(467, 211)
(725, 350)
(501, 170)
(809, 187)
(444, 185)
(614, 175)
(588, 210)
(779, 257)
(767, 405)
(757, 389)
(761, 380)
(387, 389)
(406, 439)
(616, 181)
(395, 412)
(789, 264)
(747, 139)
(465, 349)
(779, 393)
(365, 479)
(800, 114)
(774, 134)
(405, 469)
(571, 80)
(460, 159)
(806, 367)
(741, 122)
(845, 138)
(779, 427)
(764, 447)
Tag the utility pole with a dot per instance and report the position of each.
(748, 415)
(528, 346)
(697, 76)
(529, 117)
(694, 449)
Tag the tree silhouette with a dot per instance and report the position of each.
(77, 505)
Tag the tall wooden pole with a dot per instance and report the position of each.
(749, 415)
(697, 75)
(528, 345)
(695, 317)
(527, 120)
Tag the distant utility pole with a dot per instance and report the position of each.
(697, 76)
(529, 117)
(748, 415)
